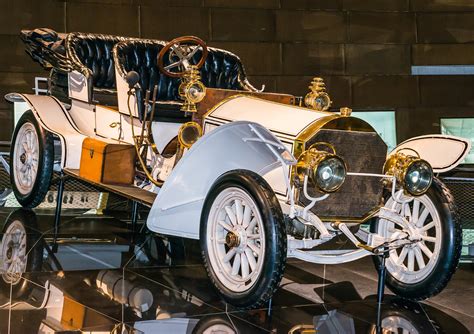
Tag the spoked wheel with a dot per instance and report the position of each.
(32, 159)
(20, 252)
(243, 239)
(14, 253)
(422, 269)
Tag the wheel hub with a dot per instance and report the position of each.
(232, 240)
(23, 158)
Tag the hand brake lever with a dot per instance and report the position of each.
(152, 114)
(147, 100)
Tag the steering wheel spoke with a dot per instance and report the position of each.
(173, 65)
(193, 52)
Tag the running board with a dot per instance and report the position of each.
(130, 192)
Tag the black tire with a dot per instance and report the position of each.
(34, 251)
(42, 181)
(222, 323)
(450, 251)
(165, 252)
(275, 238)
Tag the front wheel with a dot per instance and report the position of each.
(243, 239)
(32, 159)
(422, 269)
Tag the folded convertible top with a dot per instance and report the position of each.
(47, 47)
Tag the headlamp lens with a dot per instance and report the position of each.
(330, 174)
(418, 177)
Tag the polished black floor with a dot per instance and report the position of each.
(105, 279)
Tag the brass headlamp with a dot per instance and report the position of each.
(324, 168)
(191, 89)
(413, 173)
(188, 134)
(317, 98)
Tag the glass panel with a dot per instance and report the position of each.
(383, 122)
(461, 127)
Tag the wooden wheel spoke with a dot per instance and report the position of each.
(425, 249)
(236, 265)
(229, 255)
(411, 260)
(402, 256)
(419, 258)
(231, 215)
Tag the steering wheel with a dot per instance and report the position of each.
(183, 49)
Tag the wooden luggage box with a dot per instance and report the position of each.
(108, 163)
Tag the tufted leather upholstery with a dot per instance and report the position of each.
(222, 69)
(91, 55)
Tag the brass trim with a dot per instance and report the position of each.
(324, 144)
(315, 126)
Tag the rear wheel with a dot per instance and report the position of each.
(21, 250)
(422, 269)
(32, 159)
(243, 239)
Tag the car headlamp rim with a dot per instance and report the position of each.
(188, 91)
(407, 171)
(186, 142)
(315, 170)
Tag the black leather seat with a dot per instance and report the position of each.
(91, 54)
(221, 69)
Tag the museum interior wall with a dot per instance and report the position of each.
(364, 49)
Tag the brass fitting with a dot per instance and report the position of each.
(345, 111)
(317, 98)
(400, 165)
(191, 89)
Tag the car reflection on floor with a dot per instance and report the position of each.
(104, 279)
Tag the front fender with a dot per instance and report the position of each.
(177, 208)
(443, 152)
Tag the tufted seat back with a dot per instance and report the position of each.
(221, 69)
(92, 56)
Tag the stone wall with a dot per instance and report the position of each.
(363, 48)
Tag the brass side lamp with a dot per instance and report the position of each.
(317, 98)
(191, 89)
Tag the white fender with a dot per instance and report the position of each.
(236, 145)
(443, 152)
(53, 117)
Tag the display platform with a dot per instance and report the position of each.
(106, 279)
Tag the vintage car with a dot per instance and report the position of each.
(256, 177)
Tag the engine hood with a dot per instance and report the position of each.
(279, 118)
(291, 124)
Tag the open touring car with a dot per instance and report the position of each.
(256, 177)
